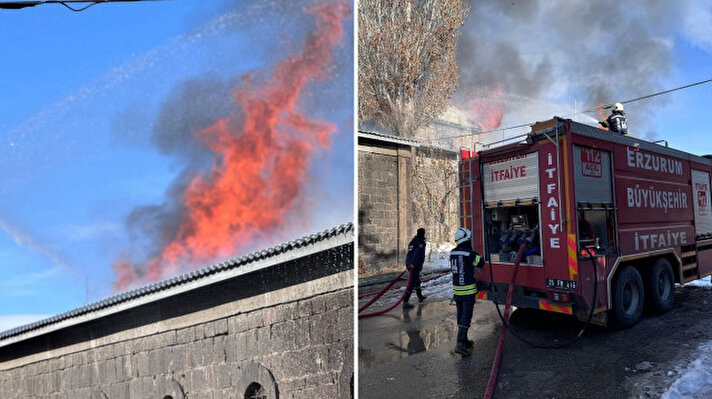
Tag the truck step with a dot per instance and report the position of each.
(689, 254)
(689, 267)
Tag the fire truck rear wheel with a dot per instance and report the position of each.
(661, 286)
(628, 297)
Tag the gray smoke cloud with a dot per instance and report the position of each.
(545, 54)
(191, 106)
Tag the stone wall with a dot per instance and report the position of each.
(382, 192)
(293, 336)
(402, 188)
(295, 342)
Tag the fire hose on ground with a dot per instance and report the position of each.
(380, 293)
(376, 295)
(396, 279)
(505, 319)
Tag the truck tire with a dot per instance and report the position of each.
(661, 286)
(628, 297)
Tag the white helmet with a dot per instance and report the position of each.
(462, 234)
(618, 107)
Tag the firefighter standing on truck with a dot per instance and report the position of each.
(414, 260)
(616, 120)
(463, 262)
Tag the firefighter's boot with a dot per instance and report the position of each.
(421, 297)
(462, 347)
(468, 342)
(406, 298)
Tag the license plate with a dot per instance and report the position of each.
(561, 284)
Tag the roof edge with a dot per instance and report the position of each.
(295, 249)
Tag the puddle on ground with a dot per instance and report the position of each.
(402, 333)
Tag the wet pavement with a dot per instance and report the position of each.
(409, 354)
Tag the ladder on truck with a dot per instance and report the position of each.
(465, 185)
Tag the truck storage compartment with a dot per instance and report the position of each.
(506, 227)
(596, 231)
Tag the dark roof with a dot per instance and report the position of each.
(312, 241)
(390, 138)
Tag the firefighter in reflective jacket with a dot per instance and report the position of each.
(463, 262)
(616, 120)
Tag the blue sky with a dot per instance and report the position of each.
(81, 95)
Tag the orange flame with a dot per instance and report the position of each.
(601, 115)
(260, 168)
(488, 111)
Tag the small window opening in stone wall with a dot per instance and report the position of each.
(255, 391)
(168, 397)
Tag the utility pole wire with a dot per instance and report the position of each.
(502, 129)
(652, 95)
(16, 5)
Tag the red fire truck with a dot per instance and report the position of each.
(578, 194)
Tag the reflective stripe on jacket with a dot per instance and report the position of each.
(470, 289)
(463, 262)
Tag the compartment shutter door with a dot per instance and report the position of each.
(701, 195)
(592, 175)
(511, 178)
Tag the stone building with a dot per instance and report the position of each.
(273, 324)
(403, 184)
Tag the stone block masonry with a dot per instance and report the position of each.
(283, 331)
(402, 185)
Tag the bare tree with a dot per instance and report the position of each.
(407, 67)
(433, 193)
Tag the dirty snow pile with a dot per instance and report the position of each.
(440, 287)
(703, 282)
(696, 382)
(437, 261)
(437, 257)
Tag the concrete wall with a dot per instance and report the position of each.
(288, 328)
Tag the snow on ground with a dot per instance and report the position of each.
(696, 380)
(441, 287)
(437, 261)
(703, 282)
(437, 257)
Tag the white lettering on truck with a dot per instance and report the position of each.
(659, 240)
(552, 204)
(643, 160)
(638, 197)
